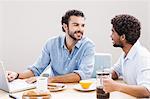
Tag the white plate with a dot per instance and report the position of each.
(58, 87)
(79, 87)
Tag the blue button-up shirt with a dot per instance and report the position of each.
(56, 55)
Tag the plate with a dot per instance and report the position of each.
(53, 87)
(79, 88)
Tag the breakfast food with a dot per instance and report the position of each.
(34, 94)
(85, 83)
(52, 87)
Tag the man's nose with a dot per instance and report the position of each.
(80, 28)
(110, 35)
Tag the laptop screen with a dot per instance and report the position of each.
(3, 78)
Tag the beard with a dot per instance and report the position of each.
(118, 45)
(72, 35)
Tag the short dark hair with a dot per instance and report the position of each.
(66, 17)
(127, 25)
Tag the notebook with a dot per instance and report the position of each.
(14, 86)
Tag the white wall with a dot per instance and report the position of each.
(148, 36)
(1, 30)
(26, 25)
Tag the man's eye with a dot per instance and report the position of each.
(83, 25)
(75, 24)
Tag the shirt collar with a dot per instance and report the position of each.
(133, 50)
(62, 41)
(78, 44)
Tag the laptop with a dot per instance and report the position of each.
(14, 86)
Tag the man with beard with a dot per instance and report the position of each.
(134, 63)
(70, 56)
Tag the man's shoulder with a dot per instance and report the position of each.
(55, 38)
(86, 40)
(54, 41)
(143, 52)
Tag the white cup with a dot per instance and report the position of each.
(41, 84)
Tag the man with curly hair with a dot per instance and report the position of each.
(69, 56)
(134, 63)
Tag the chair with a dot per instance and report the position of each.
(102, 60)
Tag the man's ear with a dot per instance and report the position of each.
(65, 27)
(123, 37)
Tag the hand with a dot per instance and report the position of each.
(109, 85)
(11, 75)
(31, 80)
(51, 80)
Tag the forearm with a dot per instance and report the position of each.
(67, 78)
(134, 90)
(26, 74)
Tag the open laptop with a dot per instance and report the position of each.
(14, 86)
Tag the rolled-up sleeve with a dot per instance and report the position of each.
(143, 73)
(87, 63)
(42, 62)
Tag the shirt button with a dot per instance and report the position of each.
(66, 69)
(68, 58)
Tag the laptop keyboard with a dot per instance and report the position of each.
(19, 84)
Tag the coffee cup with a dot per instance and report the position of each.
(41, 84)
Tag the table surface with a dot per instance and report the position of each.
(71, 93)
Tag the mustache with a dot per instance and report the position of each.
(78, 32)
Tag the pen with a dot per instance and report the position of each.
(56, 85)
(11, 96)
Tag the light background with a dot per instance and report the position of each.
(26, 24)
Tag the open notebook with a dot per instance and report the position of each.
(14, 86)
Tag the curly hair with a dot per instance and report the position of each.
(127, 25)
(68, 14)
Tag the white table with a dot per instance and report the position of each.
(70, 93)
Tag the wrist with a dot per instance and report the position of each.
(51, 80)
(119, 87)
(17, 76)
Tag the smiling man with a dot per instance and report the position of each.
(134, 63)
(70, 56)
